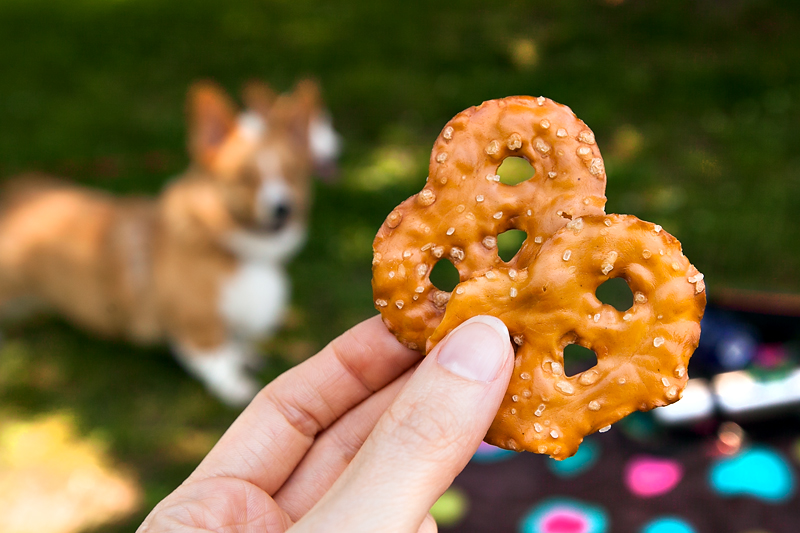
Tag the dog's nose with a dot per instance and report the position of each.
(275, 206)
(282, 212)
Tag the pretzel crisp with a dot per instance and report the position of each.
(546, 294)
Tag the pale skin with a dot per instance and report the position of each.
(362, 437)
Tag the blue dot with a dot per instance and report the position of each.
(668, 525)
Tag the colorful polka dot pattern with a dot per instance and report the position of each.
(562, 515)
(757, 472)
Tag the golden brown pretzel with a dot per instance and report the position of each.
(463, 207)
(642, 352)
(546, 293)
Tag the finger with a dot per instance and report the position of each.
(333, 451)
(271, 436)
(426, 436)
(428, 525)
(220, 504)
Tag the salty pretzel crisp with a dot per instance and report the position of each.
(546, 294)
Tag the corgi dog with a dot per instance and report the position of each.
(202, 266)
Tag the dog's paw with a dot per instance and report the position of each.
(223, 371)
(235, 392)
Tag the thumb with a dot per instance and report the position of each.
(427, 435)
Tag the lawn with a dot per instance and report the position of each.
(695, 106)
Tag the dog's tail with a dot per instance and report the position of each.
(24, 187)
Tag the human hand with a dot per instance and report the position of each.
(354, 439)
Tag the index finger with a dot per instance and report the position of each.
(271, 436)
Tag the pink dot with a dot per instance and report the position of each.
(771, 355)
(652, 476)
(565, 521)
(483, 447)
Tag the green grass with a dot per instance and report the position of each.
(695, 105)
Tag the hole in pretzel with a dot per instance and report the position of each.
(616, 293)
(509, 243)
(578, 359)
(515, 170)
(444, 275)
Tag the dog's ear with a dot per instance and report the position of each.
(294, 112)
(259, 97)
(303, 118)
(323, 141)
(307, 94)
(212, 118)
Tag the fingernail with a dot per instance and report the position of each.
(476, 349)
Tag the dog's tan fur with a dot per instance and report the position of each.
(150, 270)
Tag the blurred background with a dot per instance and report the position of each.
(695, 106)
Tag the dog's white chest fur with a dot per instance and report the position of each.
(254, 298)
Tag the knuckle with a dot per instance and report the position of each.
(422, 425)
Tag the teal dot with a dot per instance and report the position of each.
(583, 460)
(639, 426)
(668, 525)
(758, 472)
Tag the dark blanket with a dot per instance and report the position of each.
(714, 476)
